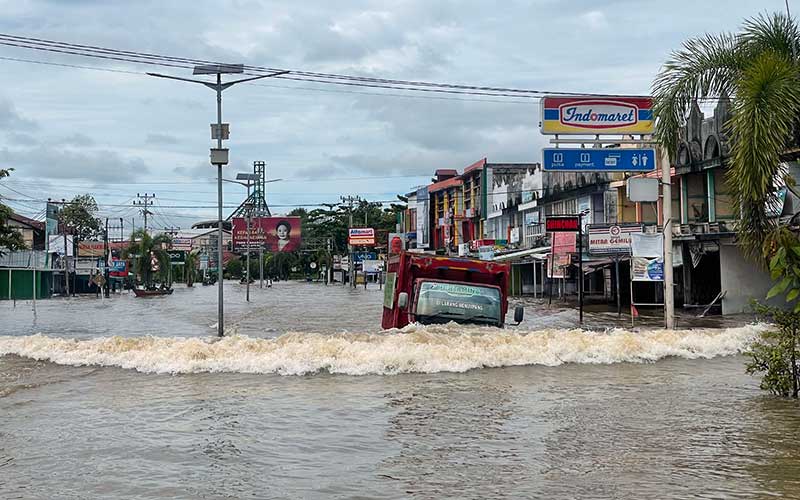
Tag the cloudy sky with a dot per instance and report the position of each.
(68, 130)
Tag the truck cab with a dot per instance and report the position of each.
(428, 289)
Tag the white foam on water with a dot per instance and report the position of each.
(415, 349)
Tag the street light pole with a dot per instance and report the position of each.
(219, 157)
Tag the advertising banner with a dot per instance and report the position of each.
(423, 216)
(597, 115)
(361, 236)
(647, 245)
(644, 269)
(91, 249)
(272, 234)
(612, 238)
(56, 244)
(182, 243)
(397, 243)
(562, 246)
(372, 266)
(177, 256)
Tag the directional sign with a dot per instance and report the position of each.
(597, 115)
(599, 160)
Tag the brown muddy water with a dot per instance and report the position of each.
(308, 398)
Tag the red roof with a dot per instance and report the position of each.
(27, 221)
(438, 186)
(478, 164)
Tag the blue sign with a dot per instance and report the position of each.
(599, 160)
(360, 257)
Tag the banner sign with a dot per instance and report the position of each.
(561, 224)
(56, 244)
(562, 246)
(272, 234)
(612, 239)
(181, 243)
(362, 256)
(372, 266)
(361, 236)
(598, 160)
(644, 269)
(423, 216)
(397, 243)
(647, 245)
(597, 115)
(177, 256)
(91, 249)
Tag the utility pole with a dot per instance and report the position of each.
(219, 156)
(106, 285)
(349, 200)
(172, 230)
(144, 201)
(666, 204)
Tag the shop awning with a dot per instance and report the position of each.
(522, 253)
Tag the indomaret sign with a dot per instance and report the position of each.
(597, 115)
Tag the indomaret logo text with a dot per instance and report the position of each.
(598, 114)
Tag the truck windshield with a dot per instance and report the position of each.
(443, 302)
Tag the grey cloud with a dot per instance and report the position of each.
(55, 163)
(161, 139)
(11, 120)
(20, 139)
(318, 172)
(77, 139)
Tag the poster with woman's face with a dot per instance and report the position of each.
(272, 234)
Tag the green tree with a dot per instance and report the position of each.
(78, 216)
(759, 68)
(190, 268)
(10, 238)
(140, 249)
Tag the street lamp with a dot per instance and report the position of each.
(219, 156)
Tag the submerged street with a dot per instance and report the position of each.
(307, 398)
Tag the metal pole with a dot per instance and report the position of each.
(260, 265)
(33, 257)
(247, 259)
(580, 266)
(619, 300)
(66, 264)
(107, 286)
(666, 203)
(220, 316)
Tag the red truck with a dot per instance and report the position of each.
(429, 289)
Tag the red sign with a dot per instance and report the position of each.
(561, 224)
(361, 236)
(273, 234)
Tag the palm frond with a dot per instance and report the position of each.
(767, 103)
(774, 32)
(708, 65)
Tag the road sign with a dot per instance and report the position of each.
(177, 256)
(562, 224)
(599, 160)
(597, 115)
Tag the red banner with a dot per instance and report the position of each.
(272, 234)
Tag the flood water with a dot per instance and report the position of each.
(307, 398)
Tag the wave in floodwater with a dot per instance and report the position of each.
(415, 349)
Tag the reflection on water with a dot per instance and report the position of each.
(128, 398)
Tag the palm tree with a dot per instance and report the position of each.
(144, 248)
(190, 268)
(759, 68)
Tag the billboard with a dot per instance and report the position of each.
(562, 246)
(181, 243)
(612, 238)
(597, 115)
(272, 234)
(423, 216)
(397, 242)
(361, 236)
(91, 249)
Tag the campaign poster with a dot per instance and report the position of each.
(271, 234)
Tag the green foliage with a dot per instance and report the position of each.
(190, 268)
(775, 354)
(234, 269)
(10, 239)
(139, 250)
(758, 68)
(78, 216)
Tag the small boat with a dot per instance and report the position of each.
(141, 292)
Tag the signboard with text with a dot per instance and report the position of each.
(562, 224)
(612, 238)
(598, 160)
(361, 236)
(181, 243)
(91, 249)
(272, 234)
(597, 115)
